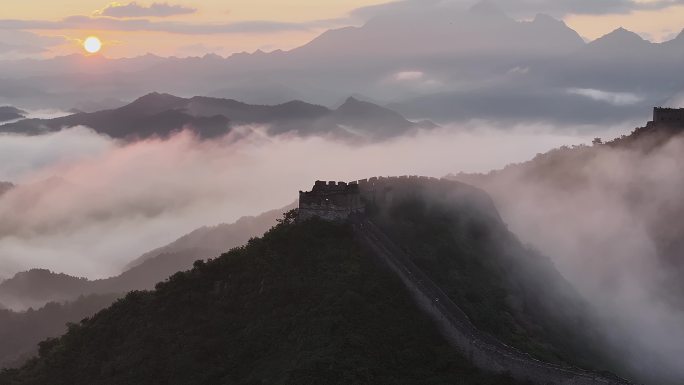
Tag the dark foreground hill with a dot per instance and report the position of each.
(60, 298)
(160, 115)
(454, 234)
(300, 306)
(307, 304)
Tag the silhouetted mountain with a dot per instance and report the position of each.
(258, 91)
(452, 51)
(97, 105)
(619, 41)
(216, 239)
(449, 46)
(37, 287)
(5, 187)
(676, 43)
(10, 113)
(78, 64)
(21, 332)
(162, 114)
(149, 116)
(307, 303)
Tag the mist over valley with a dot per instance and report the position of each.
(417, 191)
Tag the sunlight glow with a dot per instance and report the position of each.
(92, 44)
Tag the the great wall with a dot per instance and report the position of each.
(483, 350)
(668, 116)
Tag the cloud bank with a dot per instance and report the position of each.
(105, 23)
(522, 8)
(87, 205)
(611, 221)
(133, 9)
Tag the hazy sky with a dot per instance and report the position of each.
(193, 28)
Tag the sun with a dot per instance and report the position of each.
(92, 44)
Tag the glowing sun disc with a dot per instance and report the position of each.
(92, 44)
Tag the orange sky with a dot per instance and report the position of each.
(656, 25)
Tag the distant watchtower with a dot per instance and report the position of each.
(673, 117)
(333, 201)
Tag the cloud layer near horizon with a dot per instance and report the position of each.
(87, 205)
(134, 9)
(528, 8)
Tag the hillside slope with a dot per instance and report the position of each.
(611, 215)
(21, 332)
(36, 287)
(453, 233)
(301, 305)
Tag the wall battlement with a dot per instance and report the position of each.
(333, 201)
(668, 116)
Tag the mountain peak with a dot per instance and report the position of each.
(543, 18)
(156, 96)
(155, 101)
(622, 35)
(620, 39)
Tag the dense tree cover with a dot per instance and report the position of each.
(302, 305)
(453, 233)
(20, 332)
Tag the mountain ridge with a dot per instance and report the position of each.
(162, 114)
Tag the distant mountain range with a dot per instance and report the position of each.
(159, 115)
(22, 332)
(10, 113)
(430, 62)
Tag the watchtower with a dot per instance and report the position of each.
(333, 201)
(673, 117)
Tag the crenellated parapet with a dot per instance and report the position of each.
(672, 117)
(331, 201)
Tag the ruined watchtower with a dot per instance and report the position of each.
(331, 201)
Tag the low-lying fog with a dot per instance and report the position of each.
(87, 205)
(611, 220)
